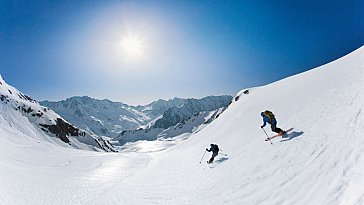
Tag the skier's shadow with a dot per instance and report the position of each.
(220, 160)
(291, 136)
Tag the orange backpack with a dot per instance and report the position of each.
(269, 115)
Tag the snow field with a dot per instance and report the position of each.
(320, 162)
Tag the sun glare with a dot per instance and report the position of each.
(133, 48)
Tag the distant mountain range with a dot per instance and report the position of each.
(104, 117)
(84, 122)
(107, 118)
(190, 124)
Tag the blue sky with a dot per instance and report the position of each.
(56, 49)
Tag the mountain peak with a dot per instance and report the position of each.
(28, 116)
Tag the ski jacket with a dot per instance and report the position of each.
(214, 148)
(266, 120)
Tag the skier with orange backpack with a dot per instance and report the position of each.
(268, 117)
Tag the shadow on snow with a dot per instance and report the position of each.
(291, 136)
(220, 160)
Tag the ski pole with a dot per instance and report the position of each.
(267, 135)
(203, 156)
(221, 152)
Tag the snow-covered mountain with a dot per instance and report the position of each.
(174, 115)
(102, 117)
(190, 117)
(23, 113)
(186, 125)
(108, 118)
(157, 108)
(320, 162)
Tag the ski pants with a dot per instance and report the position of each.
(275, 128)
(214, 154)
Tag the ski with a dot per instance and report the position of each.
(285, 132)
(270, 138)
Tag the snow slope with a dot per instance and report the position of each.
(320, 162)
(24, 114)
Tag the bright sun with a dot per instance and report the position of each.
(133, 48)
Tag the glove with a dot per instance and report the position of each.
(207, 149)
(261, 126)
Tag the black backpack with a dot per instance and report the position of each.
(215, 147)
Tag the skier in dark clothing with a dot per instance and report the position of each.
(268, 117)
(215, 150)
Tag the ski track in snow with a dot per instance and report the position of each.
(320, 162)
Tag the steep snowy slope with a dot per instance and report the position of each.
(24, 114)
(320, 162)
